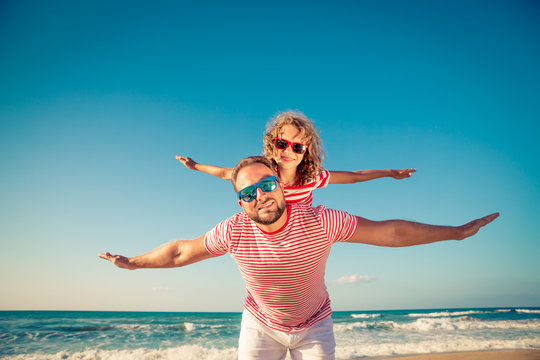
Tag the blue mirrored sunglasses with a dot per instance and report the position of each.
(267, 185)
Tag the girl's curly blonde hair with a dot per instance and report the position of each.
(312, 162)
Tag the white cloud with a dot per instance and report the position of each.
(352, 279)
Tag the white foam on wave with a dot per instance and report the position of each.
(366, 316)
(188, 326)
(134, 327)
(347, 327)
(343, 351)
(191, 326)
(186, 352)
(8, 337)
(465, 323)
(449, 344)
(431, 324)
(449, 313)
(528, 311)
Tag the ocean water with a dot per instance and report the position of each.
(176, 335)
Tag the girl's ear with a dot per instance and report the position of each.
(240, 203)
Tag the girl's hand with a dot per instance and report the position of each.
(402, 173)
(187, 161)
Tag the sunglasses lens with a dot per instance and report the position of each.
(299, 148)
(268, 185)
(249, 193)
(281, 144)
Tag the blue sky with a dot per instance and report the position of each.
(97, 97)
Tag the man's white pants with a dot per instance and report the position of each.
(257, 341)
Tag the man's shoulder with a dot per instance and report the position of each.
(319, 210)
(308, 210)
(238, 219)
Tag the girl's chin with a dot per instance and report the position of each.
(290, 162)
(287, 165)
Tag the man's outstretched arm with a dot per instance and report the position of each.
(406, 233)
(174, 254)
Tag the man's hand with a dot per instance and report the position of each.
(187, 161)
(471, 228)
(402, 173)
(118, 260)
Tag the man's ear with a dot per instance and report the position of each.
(240, 203)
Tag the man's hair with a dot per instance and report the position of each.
(250, 161)
(312, 162)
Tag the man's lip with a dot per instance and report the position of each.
(266, 205)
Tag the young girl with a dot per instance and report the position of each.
(293, 145)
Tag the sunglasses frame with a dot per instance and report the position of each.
(258, 186)
(291, 144)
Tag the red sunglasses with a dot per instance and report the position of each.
(282, 144)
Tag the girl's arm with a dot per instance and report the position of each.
(220, 172)
(351, 177)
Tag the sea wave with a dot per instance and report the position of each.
(430, 324)
(528, 311)
(467, 323)
(135, 327)
(186, 326)
(446, 345)
(186, 352)
(366, 316)
(449, 313)
(192, 326)
(343, 350)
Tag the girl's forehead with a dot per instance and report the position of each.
(291, 132)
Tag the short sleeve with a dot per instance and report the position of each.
(339, 225)
(217, 240)
(323, 178)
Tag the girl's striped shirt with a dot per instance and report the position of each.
(303, 193)
(284, 270)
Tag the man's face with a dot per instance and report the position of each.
(267, 208)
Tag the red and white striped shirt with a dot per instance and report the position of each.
(284, 270)
(303, 193)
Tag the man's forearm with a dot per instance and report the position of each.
(397, 233)
(172, 254)
(166, 256)
(407, 233)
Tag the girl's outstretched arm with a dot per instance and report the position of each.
(351, 177)
(220, 172)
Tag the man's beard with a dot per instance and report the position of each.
(271, 218)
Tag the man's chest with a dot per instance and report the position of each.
(286, 258)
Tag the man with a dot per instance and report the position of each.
(281, 252)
